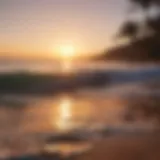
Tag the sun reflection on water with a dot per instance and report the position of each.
(66, 67)
(65, 113)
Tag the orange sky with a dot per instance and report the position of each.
(40, 28)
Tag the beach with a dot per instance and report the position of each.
(144, 146)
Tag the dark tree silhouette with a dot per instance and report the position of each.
(146, 4)
(144, 34)
(129, 30)
(154, 24)
(147, 25)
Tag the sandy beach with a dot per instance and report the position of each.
(126, 147)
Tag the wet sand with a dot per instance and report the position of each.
(126, 147)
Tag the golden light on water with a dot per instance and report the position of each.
(66, 67)
(65, 113)
(65, 108)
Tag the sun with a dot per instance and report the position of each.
(67, 52)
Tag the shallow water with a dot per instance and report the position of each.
(62, 113)
(25, 127)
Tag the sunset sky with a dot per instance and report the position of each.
(42, 27)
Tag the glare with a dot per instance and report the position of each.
(66, 67)
(67, 52)
(65, 108)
